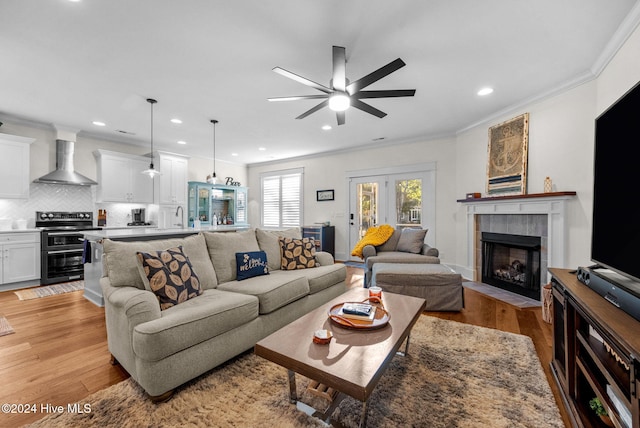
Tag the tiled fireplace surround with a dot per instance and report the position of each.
(542, 215)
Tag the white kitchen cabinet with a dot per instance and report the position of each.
(120, 178)
(171, 186)
(20, 257)
(14, 166)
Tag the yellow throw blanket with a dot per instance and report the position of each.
(376, 235)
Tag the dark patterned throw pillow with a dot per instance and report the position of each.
(169, 274)
(298, 253)
(250, 264)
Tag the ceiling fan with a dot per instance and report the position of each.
(342, 94)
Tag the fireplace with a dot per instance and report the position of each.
(512, 262)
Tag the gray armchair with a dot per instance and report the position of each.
(404, 246)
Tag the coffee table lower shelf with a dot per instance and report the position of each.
(334, 396)
(330, 367)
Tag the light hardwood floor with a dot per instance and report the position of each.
(58, 353)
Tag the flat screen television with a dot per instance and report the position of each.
(615, 239)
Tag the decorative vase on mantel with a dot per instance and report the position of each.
(547, 185)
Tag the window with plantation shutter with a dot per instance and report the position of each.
(282, 198)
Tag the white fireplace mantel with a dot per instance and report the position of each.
(554, 205)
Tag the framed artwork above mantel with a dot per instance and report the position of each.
(507, 157)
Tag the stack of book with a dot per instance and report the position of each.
(358, 311)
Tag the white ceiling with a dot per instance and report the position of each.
(70, 63)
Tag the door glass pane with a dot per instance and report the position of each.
(408, 203)
(367, 209)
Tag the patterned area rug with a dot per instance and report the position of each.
(456, 375)
(49, 290)
(5, 327)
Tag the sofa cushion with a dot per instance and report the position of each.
(250, 264)
(392, 242)
(274, 291)
(223, 247)
(192, 322)
(298, 253)
(411, 240)
(169, 275)
(324, 277)
(121, 263)
(268, 242)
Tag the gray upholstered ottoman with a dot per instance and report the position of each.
(438, 284)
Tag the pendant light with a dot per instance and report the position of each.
(151, 172)
(213, 176)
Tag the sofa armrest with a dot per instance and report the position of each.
(430, 251)
(324, 258)
(136, 305)
(368, 251)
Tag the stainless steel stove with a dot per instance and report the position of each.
(62, 244)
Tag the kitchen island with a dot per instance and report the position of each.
(93, 269)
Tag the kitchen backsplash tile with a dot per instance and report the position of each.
(59, 197)
(48, 197)
(118, 215)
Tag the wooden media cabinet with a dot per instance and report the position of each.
(596, 353)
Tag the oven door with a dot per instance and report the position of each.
(54, 241)
(61, 266)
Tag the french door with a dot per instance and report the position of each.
(402, 199)
(367, 200)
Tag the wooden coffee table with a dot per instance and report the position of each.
(355, 360)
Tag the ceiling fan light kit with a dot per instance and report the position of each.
(341, 93)
(339, 101)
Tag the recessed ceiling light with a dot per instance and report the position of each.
(176, 121)
(485, 91)
(234, 154)
(98, 123)
(181, 142)
(326, 127)
(262, 149)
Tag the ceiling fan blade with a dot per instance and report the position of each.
(367, 108)
(341, 116)
(302, 80)
(385, 94)
(297, 98)
(339, 81)
(314, 109)
(375, 76)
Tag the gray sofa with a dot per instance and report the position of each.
(395, 250)
(162, 349)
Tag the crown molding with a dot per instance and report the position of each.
(624, 31)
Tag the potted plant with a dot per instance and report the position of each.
(596, 406)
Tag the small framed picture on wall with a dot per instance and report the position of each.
(324, 195)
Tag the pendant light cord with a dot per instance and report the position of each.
(152, 102)
(214, 146)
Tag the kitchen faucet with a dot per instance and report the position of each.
(181, 210)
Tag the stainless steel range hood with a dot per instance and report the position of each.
(64, 172)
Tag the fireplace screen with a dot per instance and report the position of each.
(512, 262)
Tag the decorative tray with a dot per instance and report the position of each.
(380, 319)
